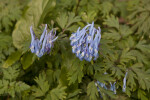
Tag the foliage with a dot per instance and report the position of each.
(8, 83)
(10, 12)
(59, 75)
(6, 47)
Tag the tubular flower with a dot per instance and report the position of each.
(85, 42)
(124, 82)
(44, 45)
(113, 87)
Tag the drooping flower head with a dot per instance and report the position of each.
(44, 45)
(85, 42)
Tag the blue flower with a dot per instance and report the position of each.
(85, 42)
(43, 34)
(50, 40)
(33, 42)
(44, 45)
(101, 85)
(124, 82)
(43, 49)
(113, 87)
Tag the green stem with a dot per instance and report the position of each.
(77, 7)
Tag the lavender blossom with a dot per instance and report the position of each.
(113, 87)
(44, 45)
(124, 82)
(33, 42)
(85, 42)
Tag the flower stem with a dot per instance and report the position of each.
(77, 7)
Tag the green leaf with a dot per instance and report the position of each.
(12, 59)
(140, 18)
(128, 91)
(131, 79)
(132, 4)
(66, 4)
(111, 21)
(5, 40)
(63, 76)
(105, 8)
(89, 16)
(11, 73)
(6, 47)
(72, 19)
(103, 77)
(126, 43)
(66, 20)
(121, 8)
(89, 5)
(106, 48)
(143, 77)
(20, 87)
(8, 85)
(27, 60)
(142, 95)
(90, 70)
(118, 69)
(56, 74)
(141, 58)
(126, 56)
(62, 20)
(3, 86)
(112, 34)
(49, 74)
(57, 93)
(46, 7)
(92, 91)
(125, 31)
(74, 94)
(43, 85)
(143, 46)
(11, 89)
(106, 93)
(75, 73)
(12, 13)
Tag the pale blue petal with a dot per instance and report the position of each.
(43, 34)
(124, 82)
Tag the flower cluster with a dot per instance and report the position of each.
(112, 87)
(44, 45)
(85, 42)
